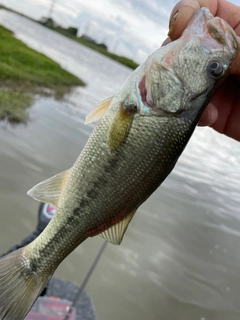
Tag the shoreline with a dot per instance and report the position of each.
(25, 73)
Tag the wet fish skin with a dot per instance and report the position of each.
(135, 146)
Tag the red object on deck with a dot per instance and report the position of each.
(50, 309)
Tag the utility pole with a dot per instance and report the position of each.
(51, 9)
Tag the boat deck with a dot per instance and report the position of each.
(68, 290)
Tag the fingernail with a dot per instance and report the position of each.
(172, 22)
(166, 41)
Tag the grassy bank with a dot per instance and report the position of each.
(123, 60)
(14, 105)
(25, 72)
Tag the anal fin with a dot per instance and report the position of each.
(115, 233)
(50, 190)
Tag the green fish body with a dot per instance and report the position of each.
(141, 133)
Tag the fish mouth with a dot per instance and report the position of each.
(210, 28)
(223, 34)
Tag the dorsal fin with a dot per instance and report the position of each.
(99, 111)
(115, 233)
(50, 190)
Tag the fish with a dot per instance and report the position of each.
(141, 132)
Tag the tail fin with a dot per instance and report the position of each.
(20, 286)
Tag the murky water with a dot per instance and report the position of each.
(180, 258)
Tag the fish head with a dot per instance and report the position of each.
(186, 72)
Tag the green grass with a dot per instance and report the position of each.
(24, 71)
(21, 64)
(14, 105)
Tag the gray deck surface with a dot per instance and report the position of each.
(67, 290)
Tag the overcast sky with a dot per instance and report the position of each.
(134, 28)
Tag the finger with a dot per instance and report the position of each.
(235, 68)
(209, 116)
(180, 16)
(230, 13)
(227, 101)
(183, 12)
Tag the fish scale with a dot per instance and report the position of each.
(124, 192)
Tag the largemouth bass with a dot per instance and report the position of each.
(141, 133)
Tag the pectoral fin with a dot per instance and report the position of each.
(120, 127)
(115, 233)
(50, 190)
(99, 111)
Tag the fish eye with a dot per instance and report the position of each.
(215, 69)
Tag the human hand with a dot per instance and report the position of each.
(223, 112)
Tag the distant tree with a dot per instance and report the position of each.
(48, 22)
(73, 31)
(89, 39)
(103, 46)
